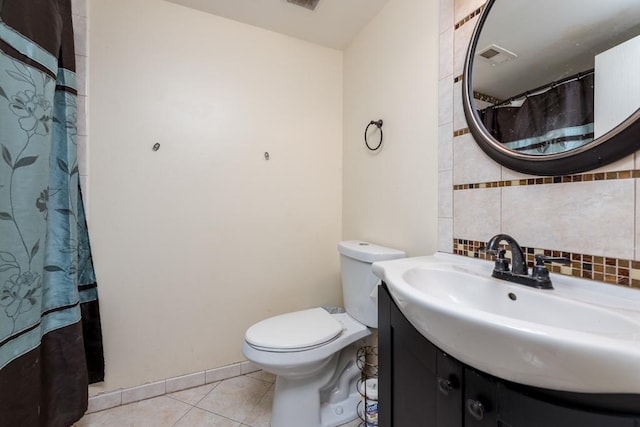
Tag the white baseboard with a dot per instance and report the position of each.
(124, 396)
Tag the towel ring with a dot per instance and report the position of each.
(379, 126)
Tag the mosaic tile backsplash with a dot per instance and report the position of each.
(615, 271)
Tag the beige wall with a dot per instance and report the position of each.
(391, 74)
(197, 241)
(591, 218)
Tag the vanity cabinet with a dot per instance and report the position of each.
(422, 386)
(410, 373)
(419, 386)
(480, 400)
(519, 410)
(449, 385)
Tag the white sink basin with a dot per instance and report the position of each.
(582, 336)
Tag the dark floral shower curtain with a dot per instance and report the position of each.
(50, 338)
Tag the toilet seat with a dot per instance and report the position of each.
(297, 331)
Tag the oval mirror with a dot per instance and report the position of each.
(552, 87)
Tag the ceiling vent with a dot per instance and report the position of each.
(496, 54)
(308, 4)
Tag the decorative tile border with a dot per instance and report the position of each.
(586, 177)
(461, 132)
(487, 98)
(614, 271)
(469, 17)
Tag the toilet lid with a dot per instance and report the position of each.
(297, 330)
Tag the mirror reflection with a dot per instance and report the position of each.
(551, 76)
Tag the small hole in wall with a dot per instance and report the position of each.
(512, 296)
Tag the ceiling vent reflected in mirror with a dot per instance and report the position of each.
(307, 4)
(496, 54)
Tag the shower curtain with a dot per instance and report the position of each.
(50, 337)
(552, 120)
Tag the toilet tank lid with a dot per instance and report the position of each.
(368, 252)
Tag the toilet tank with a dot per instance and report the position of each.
(358, 281)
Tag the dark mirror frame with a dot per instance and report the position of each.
(614, 145)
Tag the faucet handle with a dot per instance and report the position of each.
(543, 259)
(540, 272)
(501, 263)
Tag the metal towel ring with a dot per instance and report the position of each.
(379, 126)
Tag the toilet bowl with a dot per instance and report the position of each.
(313, 353)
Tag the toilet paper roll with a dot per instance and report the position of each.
(369, 391)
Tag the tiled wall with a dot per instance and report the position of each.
(81, 39)
(588, 216)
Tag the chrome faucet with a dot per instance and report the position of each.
(519, 272)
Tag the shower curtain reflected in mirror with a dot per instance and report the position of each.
(50, 337)
(548, 120)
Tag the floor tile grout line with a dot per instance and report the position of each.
(215, 384)
(266, 391)
(259, 400)
(224, 416)
(260, 379)
(211, 412)
(272, 385)
(217, 415)
(183, 415)
(264, 381)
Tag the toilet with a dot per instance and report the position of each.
(313, 353)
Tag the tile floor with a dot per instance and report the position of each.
(243, 401)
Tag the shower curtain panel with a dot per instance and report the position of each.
(50, 338)
(556, 120)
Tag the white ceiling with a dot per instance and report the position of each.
(550, 46)
(334, 23)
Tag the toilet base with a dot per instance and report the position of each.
(335, 414)
(331, 414)
(328, 400)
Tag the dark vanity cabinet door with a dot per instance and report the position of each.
(420, 386)
(385, 351)
(520, 410)
(490, 402)
(480, 400)
(449, 382)
(407, 372)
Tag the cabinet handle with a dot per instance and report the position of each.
(476, 409)
(445, 386)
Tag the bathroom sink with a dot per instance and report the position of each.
(474, 292)
(582, 336)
